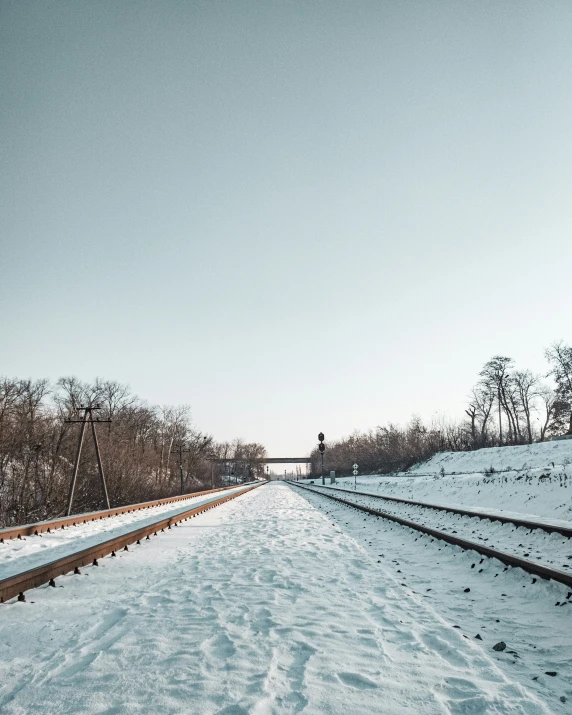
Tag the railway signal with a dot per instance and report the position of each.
(355, 472)
(322, 448)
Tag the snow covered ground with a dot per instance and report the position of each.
(552, 550)
(282, 601)
(540, 455)
(17, 555)
(478, 598)
(533, 488)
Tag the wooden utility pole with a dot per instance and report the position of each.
(87, 417)
(179, 450)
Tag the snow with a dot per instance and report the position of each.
(550, 549)
(540, 455)
(17, 555)
(279, 601)
(531, 488)
(502, 604)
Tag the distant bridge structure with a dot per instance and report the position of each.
(244, 464)
(263, 460)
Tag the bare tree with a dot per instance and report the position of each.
(479, 412)
(495, 376)
(549, 401)
(391, 448)
(526, 385)
(559, 355)
(37, 448)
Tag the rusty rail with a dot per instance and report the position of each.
(526, 523)
(17, 532)
(47, 573)
(531, 567)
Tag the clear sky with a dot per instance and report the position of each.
(294, 216)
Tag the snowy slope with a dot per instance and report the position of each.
(541, 455)
(277, 602)
(533, 488)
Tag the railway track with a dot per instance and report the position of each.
(532, 567)
(18, 532)
(18, 584)
(526, 523)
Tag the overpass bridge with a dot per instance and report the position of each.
(242, 464)
(262, 460)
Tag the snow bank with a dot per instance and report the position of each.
(532, 481)
(541, 455)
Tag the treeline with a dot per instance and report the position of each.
(506, 406)
(138, 447)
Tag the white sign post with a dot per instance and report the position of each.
(355, 466)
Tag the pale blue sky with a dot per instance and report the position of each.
(294, 216)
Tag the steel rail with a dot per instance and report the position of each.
(531, 567)
(17, 532)
(17, 584)
(550, 528)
